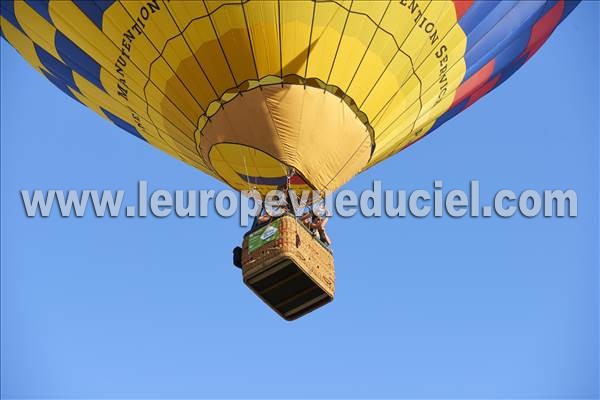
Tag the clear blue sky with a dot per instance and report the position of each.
(434, 307)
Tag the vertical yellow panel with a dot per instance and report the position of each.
(296, 18)
(380, 53)
(358, 33)
(202, 39)
(185, 11)
(173, 89)
(123, 31)
(191, 72)
(441, 16)
(398, 70)
(154, 20)
(264, 32)
(230, 25)
(399, 21)
(400, 132)
(397, 104)
(416, 42)
(169, 111)
(373, 9)
(327, 33)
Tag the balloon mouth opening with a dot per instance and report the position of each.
(255, 138)
(290, 79)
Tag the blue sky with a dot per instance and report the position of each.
(425, 308)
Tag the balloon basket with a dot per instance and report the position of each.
(288, 268)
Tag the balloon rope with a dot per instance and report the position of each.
(280, 43)
(246, 169)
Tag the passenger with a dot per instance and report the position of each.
(307, 219)
(264, 216)
(319, 220)
(285, 189)
(284, 206)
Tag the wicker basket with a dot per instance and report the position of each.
(288, 268)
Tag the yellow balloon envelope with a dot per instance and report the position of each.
(248, 90)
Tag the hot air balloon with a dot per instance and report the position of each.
(249, 90)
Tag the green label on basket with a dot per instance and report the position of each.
(264, 235)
